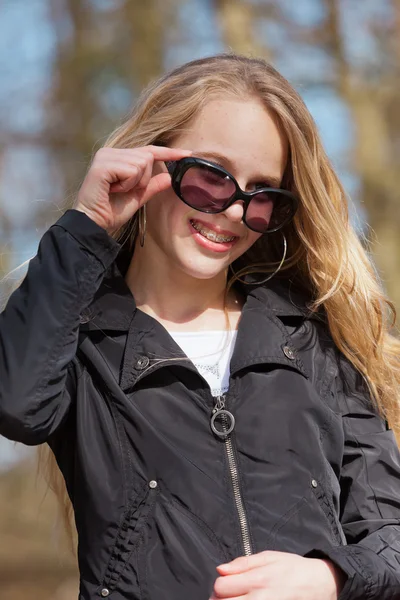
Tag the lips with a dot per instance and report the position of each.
(212, 241)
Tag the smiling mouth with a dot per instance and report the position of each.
(211, 235)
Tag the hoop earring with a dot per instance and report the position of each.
(142, 224)
(269, 276)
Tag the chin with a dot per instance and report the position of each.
(203, 272)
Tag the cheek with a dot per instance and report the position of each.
(165, 212)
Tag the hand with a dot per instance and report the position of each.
(120, 181)
(278, 576)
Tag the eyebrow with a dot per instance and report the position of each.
(223, 161)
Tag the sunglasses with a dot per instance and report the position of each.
(209, 188)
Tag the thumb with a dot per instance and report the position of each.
(157, 184)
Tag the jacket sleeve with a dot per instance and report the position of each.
(370, 503)
(39, 326)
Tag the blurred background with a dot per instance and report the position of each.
(69, 73)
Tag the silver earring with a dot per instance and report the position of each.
(272, 274)
(142, 224)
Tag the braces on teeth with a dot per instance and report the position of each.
(211, 235)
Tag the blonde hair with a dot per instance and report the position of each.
(326, 256)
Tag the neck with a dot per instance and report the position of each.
(175, 298)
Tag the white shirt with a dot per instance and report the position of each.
(210, 352)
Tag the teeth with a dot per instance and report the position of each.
(210, 234)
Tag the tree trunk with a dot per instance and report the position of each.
(237, 19)
(146, 21)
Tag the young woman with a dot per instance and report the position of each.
(202, 343)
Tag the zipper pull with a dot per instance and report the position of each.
(220, 403)
(224, 417)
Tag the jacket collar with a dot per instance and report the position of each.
(262, 336)
(113, 305)
(284, 299)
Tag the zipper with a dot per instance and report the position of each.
(227, 424)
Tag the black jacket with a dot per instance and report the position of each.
(160, 500)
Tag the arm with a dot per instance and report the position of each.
(370, 503)
(40, 325)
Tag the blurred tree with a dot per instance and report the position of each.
(372, 92)
(5, 231)
(102, 61)
(5, 254)
(147, 22)
(34, 561)
(237, 20)
(5, 243)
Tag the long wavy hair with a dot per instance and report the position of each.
(325, 254)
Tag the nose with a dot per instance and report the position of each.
(235, 212)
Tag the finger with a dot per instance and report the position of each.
(147, 173)
(233, 585)
(141, 160)
(125, 176)
(245, 597)
(158, 153)
(245, 563)
(164, 153)
(128, 155)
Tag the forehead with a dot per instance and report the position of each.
(243, 131)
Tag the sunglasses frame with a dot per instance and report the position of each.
(178, 168)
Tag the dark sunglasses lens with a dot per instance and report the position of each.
(205, 189)
(269, 211)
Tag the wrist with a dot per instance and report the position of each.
(337, 577)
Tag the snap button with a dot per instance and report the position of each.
(153, 484)
(142, 362)
(105, 592)
(314, 483)
(289, 352)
